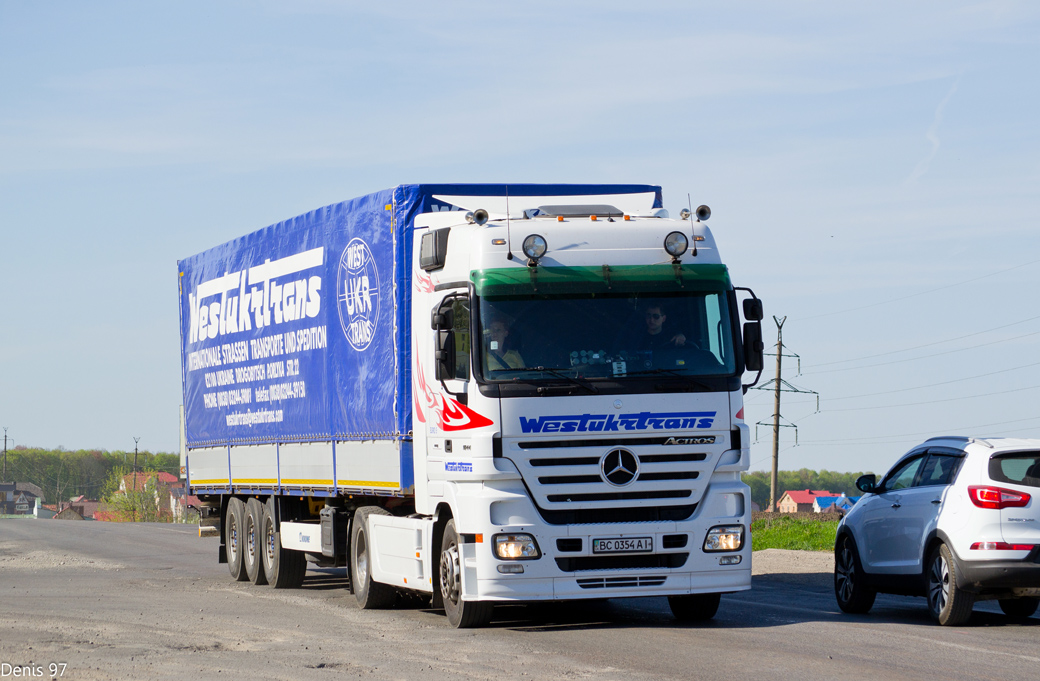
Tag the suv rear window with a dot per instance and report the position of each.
(1020, 468)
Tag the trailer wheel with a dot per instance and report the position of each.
(370, 595)
(284, 568)
(252, 543)
(234, 525)
(461, 614)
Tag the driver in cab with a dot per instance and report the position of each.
(498, 353)
(657, 335)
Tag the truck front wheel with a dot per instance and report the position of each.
(694, 607)
(370, 595)
(461, 614)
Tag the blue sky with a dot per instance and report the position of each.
(872, 171)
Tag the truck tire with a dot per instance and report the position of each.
(694, 607)
(461, 614)
(370, 595)
(252, 546)
(234, 524)
(284, 568)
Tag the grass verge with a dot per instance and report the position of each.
(799, 534)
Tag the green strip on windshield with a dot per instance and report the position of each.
(663, 278)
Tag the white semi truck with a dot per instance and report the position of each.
(483, 393)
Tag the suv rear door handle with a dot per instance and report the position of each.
(936, 501)
(896, 505)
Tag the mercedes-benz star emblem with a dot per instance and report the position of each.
(619, 466)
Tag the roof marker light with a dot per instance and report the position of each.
(592, 217)
(628, 217)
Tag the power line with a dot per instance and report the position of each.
(914, 359)
(951, 399)
(920, 293)
(873, 438)
(934, 385)
(926, 345)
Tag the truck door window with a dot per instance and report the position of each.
(460, 330)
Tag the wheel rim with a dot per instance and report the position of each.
(269, 540)
(250, 540)
(361, 561)
(450, 574)
(845, 572)
(938, 584)
(232, 546)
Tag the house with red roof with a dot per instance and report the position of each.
(793, 501)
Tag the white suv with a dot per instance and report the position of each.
(955, 520)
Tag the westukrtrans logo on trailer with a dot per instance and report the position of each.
(358, 294)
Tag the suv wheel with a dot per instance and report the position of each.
(849, 586)
(948, 604)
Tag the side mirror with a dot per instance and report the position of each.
(753, 309)
(443, 320)
(867, 483)
(753, 347)
(445, 355)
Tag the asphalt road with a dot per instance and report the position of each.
(151, 602)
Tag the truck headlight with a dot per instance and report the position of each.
(725, 538)
(516, 547)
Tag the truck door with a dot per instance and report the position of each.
(452, 370)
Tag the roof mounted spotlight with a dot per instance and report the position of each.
(703, 213)
(479, 216)
(675, 244)
(685, 213)
(534, 247)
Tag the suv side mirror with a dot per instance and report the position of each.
(753, 347)
(867, 483)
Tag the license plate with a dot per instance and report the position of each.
(623, 545)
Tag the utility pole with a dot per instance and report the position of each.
(133, 503)
(779, 385)
(5, 454)
(776, 412)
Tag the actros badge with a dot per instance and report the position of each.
(357, 288)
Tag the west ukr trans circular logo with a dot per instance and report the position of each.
(357, 288)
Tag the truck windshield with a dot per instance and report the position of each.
(613, 335)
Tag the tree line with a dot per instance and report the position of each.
(831, 481)
(94, 473)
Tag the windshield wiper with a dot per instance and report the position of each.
(672, 372)
(556, 373)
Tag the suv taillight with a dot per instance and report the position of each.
(985, 496)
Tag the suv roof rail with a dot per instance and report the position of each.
(963, 438)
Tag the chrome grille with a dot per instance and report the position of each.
(569, 476)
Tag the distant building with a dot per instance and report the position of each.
(19, 498)
(840, 504)
(794, 501)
